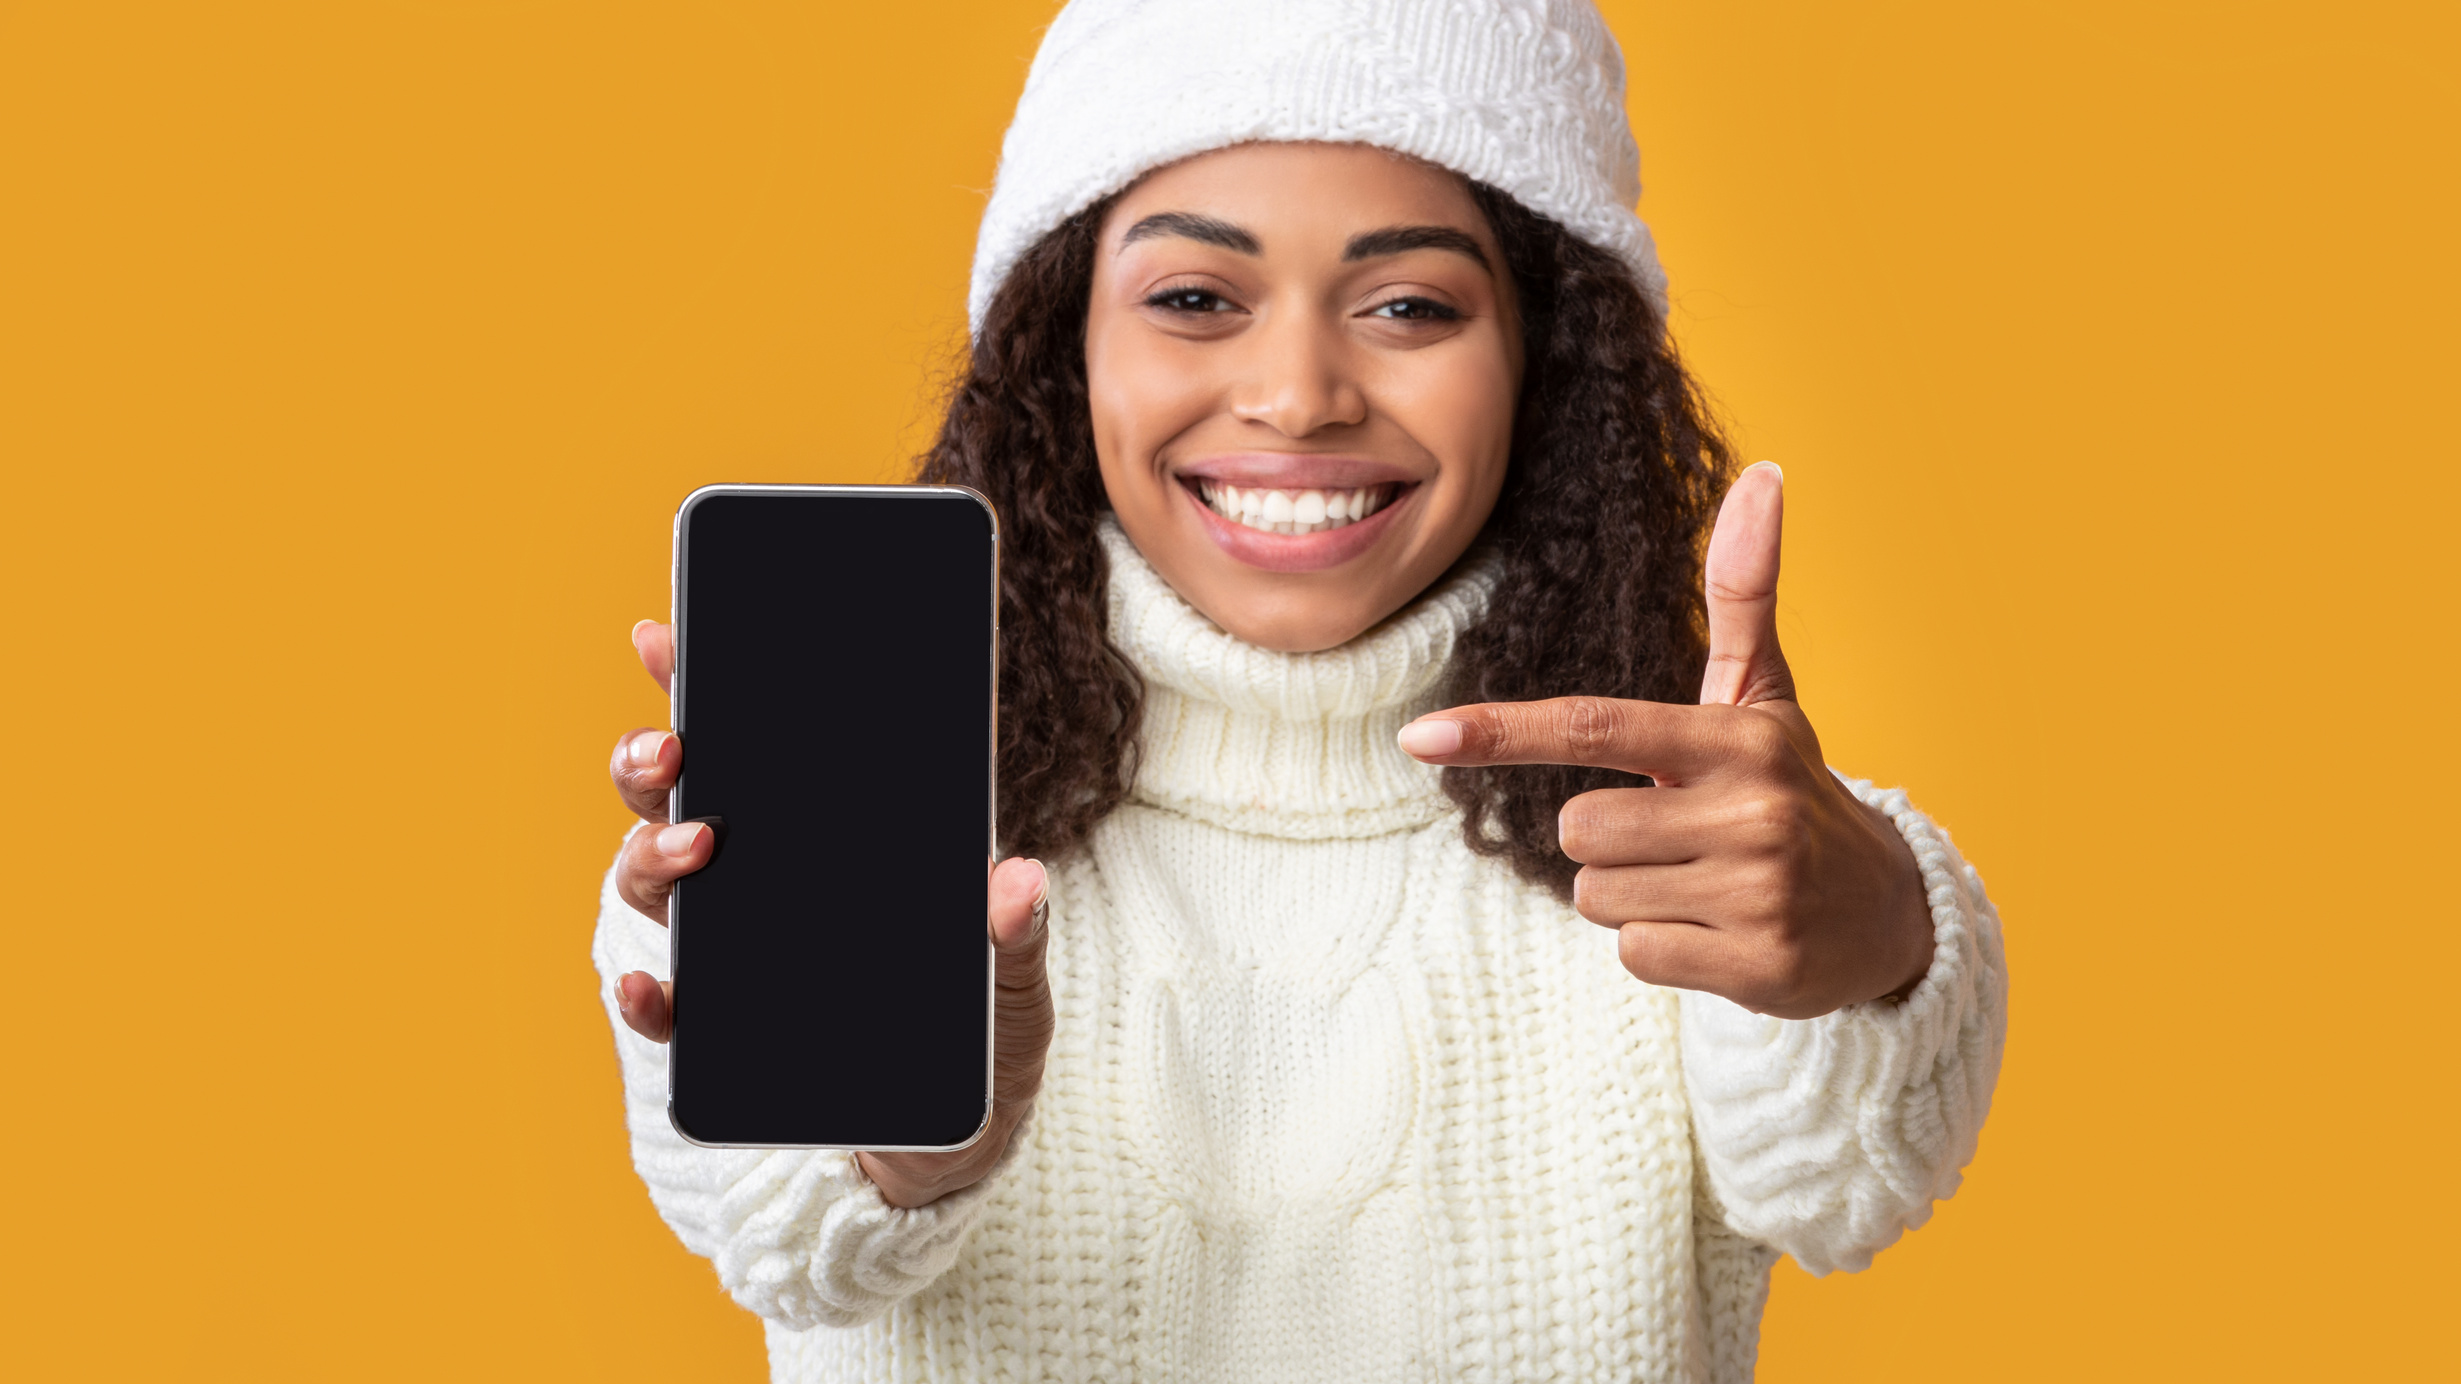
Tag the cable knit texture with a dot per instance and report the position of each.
(1333, 1099)
(1524, 95)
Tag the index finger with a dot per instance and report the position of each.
(1637, 737)
(644, 767)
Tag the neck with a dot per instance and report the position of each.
(1294, 745)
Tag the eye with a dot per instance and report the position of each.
(1188, 300)
(1415, 310)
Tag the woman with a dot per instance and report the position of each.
(1321, 378)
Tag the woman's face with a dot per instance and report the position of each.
(1302, 361)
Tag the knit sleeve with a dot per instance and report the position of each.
(1828, 1138)
(798, 1236)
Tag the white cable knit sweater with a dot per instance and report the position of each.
(1334, 1099)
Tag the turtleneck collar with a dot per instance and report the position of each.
(1292, 745)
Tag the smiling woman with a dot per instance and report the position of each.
(1310, 327)
(1327, 453)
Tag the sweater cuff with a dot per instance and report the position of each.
(817, 1245)
(1828, 1138)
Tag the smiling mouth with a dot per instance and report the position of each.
(1294, 511)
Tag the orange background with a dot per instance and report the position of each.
(353, 357)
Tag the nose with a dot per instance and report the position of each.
(1299, 381)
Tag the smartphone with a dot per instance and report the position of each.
(836, 656)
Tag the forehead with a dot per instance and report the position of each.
(1302, 195)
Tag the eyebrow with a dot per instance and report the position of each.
(1394, 240)
(1366, 245)
(1207, 229)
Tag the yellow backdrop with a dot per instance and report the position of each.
(353, 358)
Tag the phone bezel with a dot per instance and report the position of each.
(991, 786)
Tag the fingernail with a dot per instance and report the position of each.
(623, 1002)
(1780, 470)
(1042, 891)
(639, 626)
(642, 753)
(1433, 737)
(677, 840)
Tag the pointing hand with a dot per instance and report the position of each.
(1749, 871)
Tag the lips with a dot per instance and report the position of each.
(1343, 530)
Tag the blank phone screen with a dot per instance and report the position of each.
(834, 694)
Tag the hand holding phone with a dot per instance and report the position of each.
(835, 646)
(645, 766)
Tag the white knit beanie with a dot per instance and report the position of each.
(1524, 95)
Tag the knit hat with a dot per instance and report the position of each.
(1524, 95)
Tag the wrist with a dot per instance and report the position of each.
(1906, 991)
(1912, 910)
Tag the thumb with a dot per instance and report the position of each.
(1020, 913)
(1745, 664)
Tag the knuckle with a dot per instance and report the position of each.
(651, 906)
(1489, 732)
(1747, 736)
(1591, 726)
(1644, 954)
(1022, 963)
(1579, 828)
(1765, 744)
(644, 871)
(1639, 952)
(1591, 896)
(643, 804)
(642, 787)
(640, 851)
(1770, 822)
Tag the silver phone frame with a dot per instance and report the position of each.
(991, 784)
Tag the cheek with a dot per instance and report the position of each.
(1140, 397)
(1461, 409)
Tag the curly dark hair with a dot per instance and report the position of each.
(1615, 474)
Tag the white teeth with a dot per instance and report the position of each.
(1289, 512)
